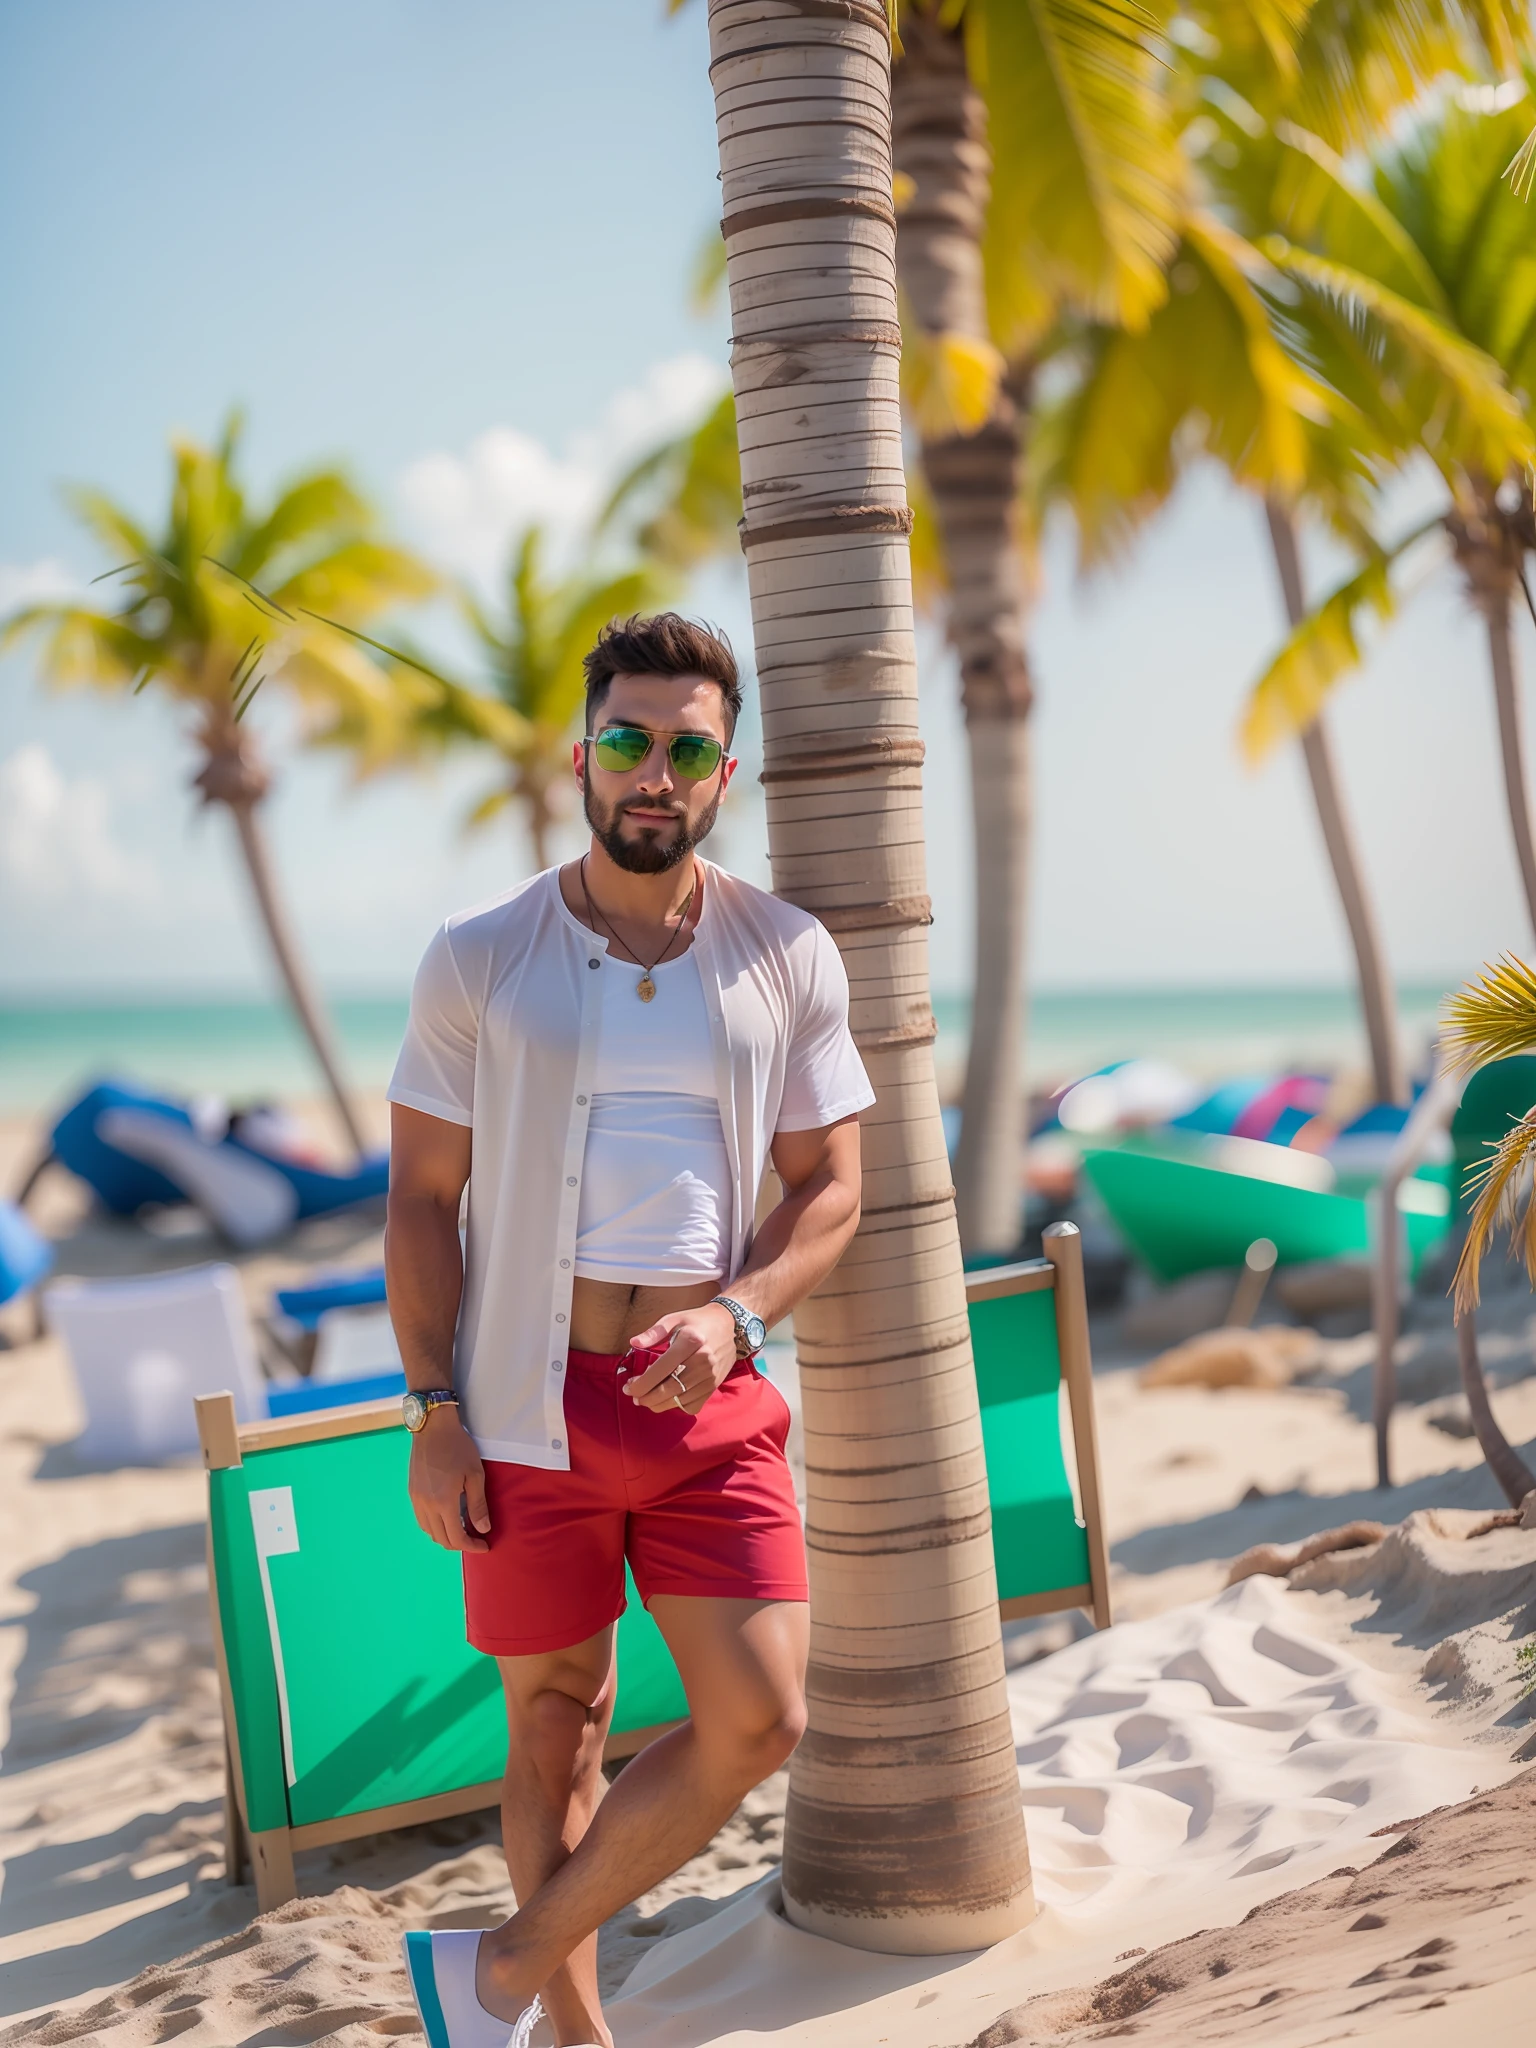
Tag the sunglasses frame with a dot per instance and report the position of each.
(592, 739)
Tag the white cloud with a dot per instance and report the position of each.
(56, 840)
(468, 509)
(35, 583)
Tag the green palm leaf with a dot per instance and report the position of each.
(685, 494)
(1320, 651)
(314, 509)
(1206, 377)
(1494, 1018)
(1469, 415)
(1087, 181)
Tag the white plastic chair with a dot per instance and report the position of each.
(141, 1350)
(354, 1344)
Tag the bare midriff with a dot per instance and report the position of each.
(606, 1314)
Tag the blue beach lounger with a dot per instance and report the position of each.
(132, 1147)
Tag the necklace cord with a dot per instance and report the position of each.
(596, 914)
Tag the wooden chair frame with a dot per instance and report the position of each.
(269, 1852)
(1061, 1273)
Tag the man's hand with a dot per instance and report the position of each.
(701, 1349)
(445, 1468)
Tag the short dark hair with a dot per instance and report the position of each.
(664, 644)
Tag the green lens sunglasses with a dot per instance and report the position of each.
(622, 748)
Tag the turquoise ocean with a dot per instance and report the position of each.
(250, 1050)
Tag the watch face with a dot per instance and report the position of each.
(413, 1410)
(754, 1331)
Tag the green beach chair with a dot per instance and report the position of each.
(1495, 1097)
(352, 1702)
(1029, 1335)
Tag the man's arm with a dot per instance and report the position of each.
(424, 1270)
(791, 1255)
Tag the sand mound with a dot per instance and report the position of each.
(1267, 1357)
(1449, 1909)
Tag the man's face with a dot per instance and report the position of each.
(647, 818)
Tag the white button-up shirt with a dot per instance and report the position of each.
(505, 1015)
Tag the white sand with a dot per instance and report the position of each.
(1195, 1761)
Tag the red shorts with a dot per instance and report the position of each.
(699, 1504)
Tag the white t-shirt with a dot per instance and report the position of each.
(655, 1177)
(503, 1037)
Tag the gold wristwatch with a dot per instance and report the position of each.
(415, 1408)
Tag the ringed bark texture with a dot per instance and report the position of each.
(904, 1829)
(973, 482)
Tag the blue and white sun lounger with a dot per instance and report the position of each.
(134, 1148)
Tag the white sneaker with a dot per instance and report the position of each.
(441, 1967)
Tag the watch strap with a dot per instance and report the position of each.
(741, 1317)
(429, 1398)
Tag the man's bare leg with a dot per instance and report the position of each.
(743, 1666)
(558, 1710)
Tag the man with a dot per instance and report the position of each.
(607, 1057)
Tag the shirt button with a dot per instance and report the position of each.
(565, 1262)
(582, 1100)
(594, 963)
(554, 1365)
(557, 1443)
(559, 1319)
(570, 1180)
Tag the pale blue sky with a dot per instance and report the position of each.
(450, 244)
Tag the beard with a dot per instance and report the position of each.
(654, 851)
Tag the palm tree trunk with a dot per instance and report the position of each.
(904, 1829)
(301, 991)
(1507, 1466)
(1378, 998)
(939, 126)
(1506, 698)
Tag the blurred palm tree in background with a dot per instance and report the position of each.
(1050, 164)
(1417, 297)
(523, 703)
(225, 599)
(1232, 366)
(1037, 173)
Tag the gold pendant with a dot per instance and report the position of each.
(645, 988)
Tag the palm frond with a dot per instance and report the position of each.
(685, 496)
(1206, 377)
(324, 505)
(356, 580)
(83, 646)
(1493, 1017)
(1498, 1184)
(1319, 652)
(1317, 203)
(1470, 415)
(707, 277)
(1360, 65)
(116, 529)
(1088, 184)
(949, 381)
(490, 806)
